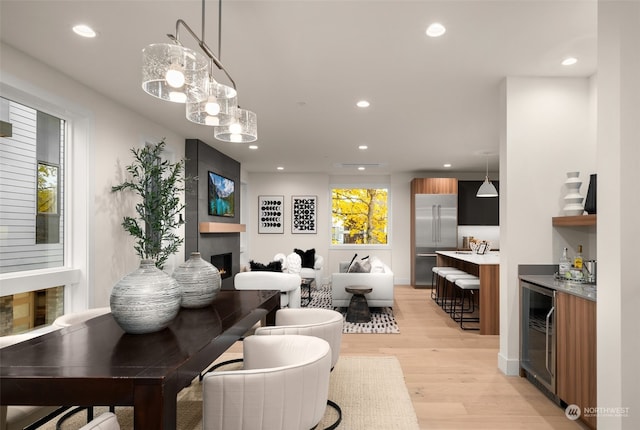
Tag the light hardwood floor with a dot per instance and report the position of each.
(452, 375)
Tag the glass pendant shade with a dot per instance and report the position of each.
(218, 109)
(243, 129)
(487, 189)
(174, 73)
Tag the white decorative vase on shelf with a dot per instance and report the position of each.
(573, 200)
(146, 300)
(199, 281)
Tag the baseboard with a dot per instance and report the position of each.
(509, 367)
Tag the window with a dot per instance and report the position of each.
(359, 216)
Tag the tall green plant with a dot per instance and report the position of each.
(159, 184)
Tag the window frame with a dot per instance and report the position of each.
(364, 246)
(75, 274)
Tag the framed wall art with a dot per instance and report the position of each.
(303, 214)
(270, 214)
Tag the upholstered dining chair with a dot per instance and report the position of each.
(68, 320)
(106, 421)
(326, 324)
(16, 417)
(284, 385)
(79, 317)
(287, 283)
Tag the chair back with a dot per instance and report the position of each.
(284, 386)
(287, 283)
(79, 317)
(326, 324)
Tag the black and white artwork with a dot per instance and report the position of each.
(270, 214)
(303, 214)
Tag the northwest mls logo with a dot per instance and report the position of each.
(572, 412)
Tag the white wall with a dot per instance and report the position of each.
(112, 131)
(618, 209)
(546, 133)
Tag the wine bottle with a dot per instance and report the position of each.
(565, 263)
(577, 260)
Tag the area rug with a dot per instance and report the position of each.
(370, 390)
(382, 319)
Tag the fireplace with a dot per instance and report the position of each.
(222, 262)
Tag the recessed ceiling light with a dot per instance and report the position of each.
(84, 30)
(253, 146)
(436, 30)
(446, 165)
(363, 104)
(280, 168)
(361, 168)
(363, 147)
(569, 61)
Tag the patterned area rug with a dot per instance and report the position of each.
(382, 319)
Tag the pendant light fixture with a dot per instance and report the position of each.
(487, 189)
(242, 129)
(175, 73)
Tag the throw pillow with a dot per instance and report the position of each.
(274, 266)
(294, 263)
(377, 266)
(308, 257)
(358, 267)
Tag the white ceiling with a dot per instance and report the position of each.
(302, 65)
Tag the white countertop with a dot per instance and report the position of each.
(491, 257)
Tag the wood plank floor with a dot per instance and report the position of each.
(452, 375)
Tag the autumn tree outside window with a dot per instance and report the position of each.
(359, 216)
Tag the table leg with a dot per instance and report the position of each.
(152, 410)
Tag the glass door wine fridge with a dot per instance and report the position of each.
(538, 335)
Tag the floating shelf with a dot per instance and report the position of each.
(574, 221)
(222, 227)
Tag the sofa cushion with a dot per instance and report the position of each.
(308, 257)
(273, 266)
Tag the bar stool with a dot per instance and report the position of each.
(441, 283)
(451, 279)
(464, 285)
(434, 279)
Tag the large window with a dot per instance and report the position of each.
(359, 216)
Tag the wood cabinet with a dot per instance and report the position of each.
(434, 186)
(576, 353)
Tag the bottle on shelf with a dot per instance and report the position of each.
(577, 259)
(565, 263)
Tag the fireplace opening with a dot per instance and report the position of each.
(222, 262)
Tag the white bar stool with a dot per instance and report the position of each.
(464, 285)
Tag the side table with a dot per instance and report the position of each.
(306, 283)
(358, 311)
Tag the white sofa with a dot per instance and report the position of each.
(380, 282)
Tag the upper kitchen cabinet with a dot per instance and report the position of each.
(474, 210)
(434, 186)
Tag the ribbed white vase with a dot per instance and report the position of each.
(199, 280)
(573, 200)
(146, 300)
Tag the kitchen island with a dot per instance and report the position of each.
(487, 268)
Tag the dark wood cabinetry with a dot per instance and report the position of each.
(474, 210)
(576, 345)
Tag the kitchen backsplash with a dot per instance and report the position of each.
(490, 233)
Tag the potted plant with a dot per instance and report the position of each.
(148, 299)
(159, 184)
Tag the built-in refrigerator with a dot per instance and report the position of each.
(436, 229)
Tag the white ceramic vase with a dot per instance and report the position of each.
(573, 200)
(146, 300)
(199, 281)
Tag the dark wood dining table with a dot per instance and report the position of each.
(96, 363)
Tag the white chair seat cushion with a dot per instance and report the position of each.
(106, 421)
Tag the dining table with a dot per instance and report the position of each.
(95, 363)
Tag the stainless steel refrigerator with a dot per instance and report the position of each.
(436, 229)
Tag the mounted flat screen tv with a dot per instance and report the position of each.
(221, 195)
